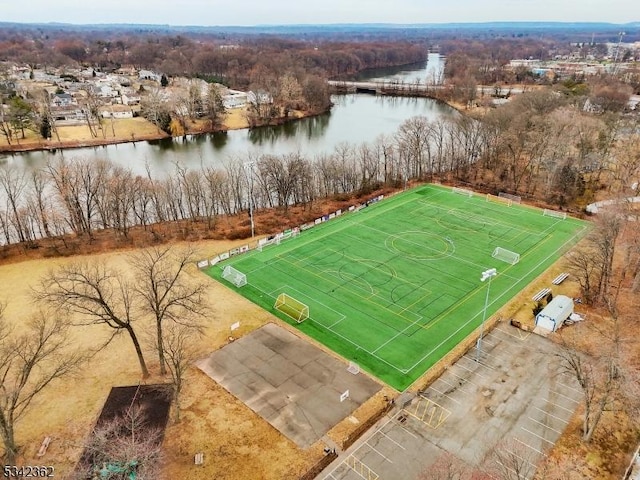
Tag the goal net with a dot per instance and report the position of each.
(234, 276)
(554, 213)
(291, 307)
(505, 255)
(462, 191)
(513, 198)
(497, 199)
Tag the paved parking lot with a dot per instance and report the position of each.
(512, 399)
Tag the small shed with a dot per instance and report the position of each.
(555, 313)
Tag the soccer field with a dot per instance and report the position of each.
(396, 285)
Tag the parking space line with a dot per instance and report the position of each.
(518, 474)
(477, 363)
(475, 372)
(377, 451)
(545, 426)
(529, 446)
(400, 425)
(457, 387)
(571, 388)
(424, 408)
(547, 413)
(536, 435)
(465, 380)
(568, 398)
(382, 433)
(361, 468)
(521, 458)
(560, 406)
(443, 393)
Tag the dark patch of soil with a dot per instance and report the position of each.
(152, 401)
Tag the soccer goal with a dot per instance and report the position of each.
(497, 199)
(462, 191)
(234, 276)
(292, 308)
(513, 198)
(505, 255)
(554, 213)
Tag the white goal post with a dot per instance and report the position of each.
(496, 199)
(234, 276)
(462, 191)
(554, 213)
(505, 255)
(291, 307)
(513, 198)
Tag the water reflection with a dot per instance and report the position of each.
(354, 119)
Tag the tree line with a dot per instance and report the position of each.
(539, 146)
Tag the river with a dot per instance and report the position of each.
(354, 119)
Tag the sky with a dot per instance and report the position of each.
(283, 12)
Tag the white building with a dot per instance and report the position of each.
(555, 313)
(234, 99)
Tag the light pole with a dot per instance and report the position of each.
(250, 175)
(486, 275)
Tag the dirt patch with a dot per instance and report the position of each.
(151, 401)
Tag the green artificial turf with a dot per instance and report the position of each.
(396, 285)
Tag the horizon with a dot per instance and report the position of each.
(256, 13)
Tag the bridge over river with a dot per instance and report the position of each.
(412, 88)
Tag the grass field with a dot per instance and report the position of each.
(396, 286)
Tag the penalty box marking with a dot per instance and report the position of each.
(428, 412)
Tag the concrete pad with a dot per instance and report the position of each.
(292, 384)
(513, 394)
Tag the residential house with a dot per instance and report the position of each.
(149, 75)
(234, 99)
(130, 99)
(116, 111)
(62, 100)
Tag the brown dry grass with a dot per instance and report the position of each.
(237, 442)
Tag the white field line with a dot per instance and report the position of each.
(560, 248)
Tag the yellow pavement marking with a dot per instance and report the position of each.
(429, 412)
(361, 468)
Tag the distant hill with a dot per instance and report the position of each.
(608, 31)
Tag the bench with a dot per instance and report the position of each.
(44, 446)
(541, 294)
(199, 459)
(560, 278)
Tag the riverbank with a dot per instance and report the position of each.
(127, 130)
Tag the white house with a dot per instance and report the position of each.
(130, 99)
(555, 313)
(234, 99)
(116, 111)
(149, 75)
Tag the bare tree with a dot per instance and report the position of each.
(97, 294)
(166, 292)
(179, 354)
(29, 361)
(510, 460)
(125, 447)
(602, 374)
(446, 467)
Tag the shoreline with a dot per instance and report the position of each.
(234, 121)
